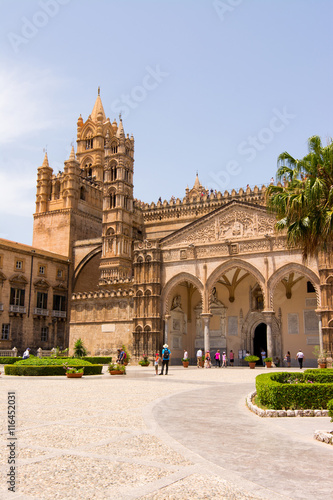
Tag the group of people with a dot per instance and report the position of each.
(220, 359)
(121, 358)
(299, 357)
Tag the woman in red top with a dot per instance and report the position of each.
(231, 358)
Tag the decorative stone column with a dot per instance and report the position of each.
(206, 317)
(321, 343)
(268, 315)
(166, 328)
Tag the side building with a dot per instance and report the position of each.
(33, 298)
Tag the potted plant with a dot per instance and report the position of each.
(186, 362)
(72, 372)
(321, 356)
(144, 361)
(252, 361)
(116, 369)
(268, 362)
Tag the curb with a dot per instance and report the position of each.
(283, 413)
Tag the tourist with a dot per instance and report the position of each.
(165, 359)
(224, 360)
(263, 356)
(217, 359)
(231, 358)
(300, 357)
(122, 356)
(185, 354)
(208, 362)
(157, 358)
(199, 357)
(118, 355)
(26, 353)
(287, 358)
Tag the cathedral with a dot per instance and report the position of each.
(206, 271)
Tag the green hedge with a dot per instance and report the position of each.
(8, 360)
(99, 360)
(33, 361)
(330, 409)
(273, 392)
(48, 370)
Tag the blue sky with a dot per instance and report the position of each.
(221, 87)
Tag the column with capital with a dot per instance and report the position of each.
(268, 315)
(321, 343)
(206, 317)
(166, 328)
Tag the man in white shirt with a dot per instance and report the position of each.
(300, 358)
(26, 353)
(199, 357)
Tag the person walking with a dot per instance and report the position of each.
(231, 358)
(199, 357)
(208, 363)
(224, 360)
(300, 357)
(157, 358)
(217, 359)
(288, 358)
(165, 359)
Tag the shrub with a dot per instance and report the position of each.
(97, 360)
(32, 361)
(79, 349)
(144, 361)
(251, 359)
(48, 370)
(117, 367)
(330, 409)
(9, 360)
(293, 390)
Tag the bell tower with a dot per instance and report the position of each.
(117, 221)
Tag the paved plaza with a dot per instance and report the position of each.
(187, 435)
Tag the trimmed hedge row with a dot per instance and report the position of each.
(9, 360)
(48, 370)
(32, 361)
(99, 360)
(276, 395)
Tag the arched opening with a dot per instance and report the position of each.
(260, 341)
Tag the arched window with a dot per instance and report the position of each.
(82, 193)
(112, 199)
(89, 143)
(114, 148)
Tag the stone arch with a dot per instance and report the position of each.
(231, 264)
(84, 261)
(288, 268)
(251, 321)
(174, 281)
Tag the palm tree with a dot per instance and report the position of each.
(304, 203)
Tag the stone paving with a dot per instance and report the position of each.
(188, 435)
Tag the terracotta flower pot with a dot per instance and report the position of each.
(74, 375)
(185, 364)
(252, 364)
(116, 372)
(269, 364)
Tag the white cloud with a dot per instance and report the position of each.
(17, 189)
(27, 101)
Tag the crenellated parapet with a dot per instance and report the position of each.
(118, 292)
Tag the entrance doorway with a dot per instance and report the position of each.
(260, 340)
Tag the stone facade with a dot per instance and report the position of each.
(204, 271)
(33, 298)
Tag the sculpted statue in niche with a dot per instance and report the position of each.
(176, 302)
